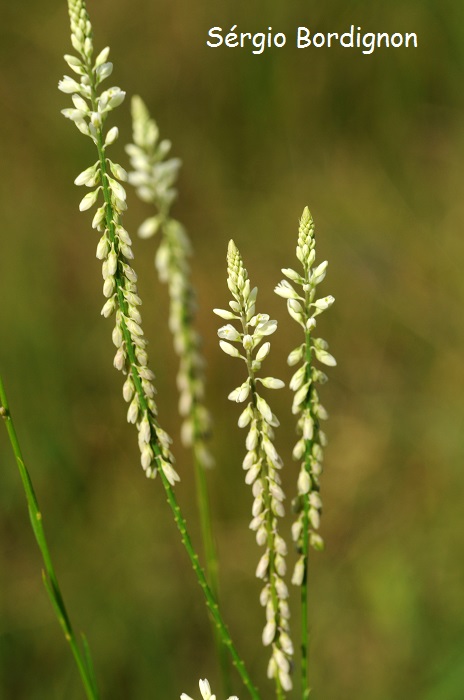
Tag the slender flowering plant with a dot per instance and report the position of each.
(244, 336)
(91, 109)
(153, 177)
(81, 652)
(262, 462)
(304, 306)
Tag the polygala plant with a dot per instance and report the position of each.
(244, 336)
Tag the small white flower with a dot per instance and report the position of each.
(292, 275)
(247, 341)
(282, 590)
(266, 328)
(285, 290)
(264, 408)
(102, 56)
(285, 680)
(128, 389)
(298, 572)
(75, 64)
(272, 383)
(324, 303)
(316, 541)
(297, 529)
(117, 336)
(245, 417)
(319, 272)
(117, 189)
(89, 200)
(97, 221)
(109, 287)
(88, 176)
(263, 565)
(103, 71)
(308, 427)
(109, 307)
(229, 349)
(205, 689)
(269, 633)
(299, 449)
(252, 438)
(315, 518)
(170, 473)
(133, 411)
(263, 351)
(325, 357)
(111, 136)
(149, 227)
(228, 332)
(227, 315)
(298, 378)
(304, 482)
(146, 456)
(296, 355)
(241, 393)
(68, 85)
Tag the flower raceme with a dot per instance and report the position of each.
(91, 108)
(304, 307)
(262, 462)
(154, 176)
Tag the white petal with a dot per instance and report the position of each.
(229, 349)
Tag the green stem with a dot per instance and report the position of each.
(304, 585)
(304, 605)
(179, 261)
(201, 577)
(49, 576)
(211, 564)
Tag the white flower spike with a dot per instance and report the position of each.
(154, 177)
(303, 307)
(262, 462)
(91, 110)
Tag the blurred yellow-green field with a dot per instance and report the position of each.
(374, 144)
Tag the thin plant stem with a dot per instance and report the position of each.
(210, 600)
(211, 559)
(305, 549)
(304, 611)
(82, 658)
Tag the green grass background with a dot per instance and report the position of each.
(374, 145)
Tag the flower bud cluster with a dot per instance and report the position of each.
(206, 694)
(303, 306)
(89, 110)
(153, 177)
(262, 462)
(114, 247)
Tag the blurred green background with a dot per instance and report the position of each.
(374, 145)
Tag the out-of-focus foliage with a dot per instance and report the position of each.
(374, 145)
